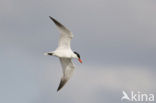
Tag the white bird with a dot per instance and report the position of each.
(64, 52)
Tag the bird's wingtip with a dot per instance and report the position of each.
(60, 86)
(62, 83)
(51, 18)
(58, 89)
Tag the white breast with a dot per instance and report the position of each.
(64, 53)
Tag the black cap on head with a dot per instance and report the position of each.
(78, 55)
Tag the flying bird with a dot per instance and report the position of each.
(64, 53)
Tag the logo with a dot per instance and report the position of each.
(137, 96)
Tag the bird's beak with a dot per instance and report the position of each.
(80, 60)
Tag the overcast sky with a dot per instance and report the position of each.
(115, 38)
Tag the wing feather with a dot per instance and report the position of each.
(68, 68)
(66, 35)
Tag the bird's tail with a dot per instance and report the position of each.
(48, 53)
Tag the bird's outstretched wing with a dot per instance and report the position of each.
(66, 35)
(68, 68)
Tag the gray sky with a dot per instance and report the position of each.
(116, 41)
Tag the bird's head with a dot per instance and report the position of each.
(78, 56)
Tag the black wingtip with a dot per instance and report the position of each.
(59, 88)
(51, 18)
(62, 83)
(56, 22)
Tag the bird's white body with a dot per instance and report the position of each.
(64, 52)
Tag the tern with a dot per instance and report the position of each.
(64, 52)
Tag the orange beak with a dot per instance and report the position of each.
(80, 60)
